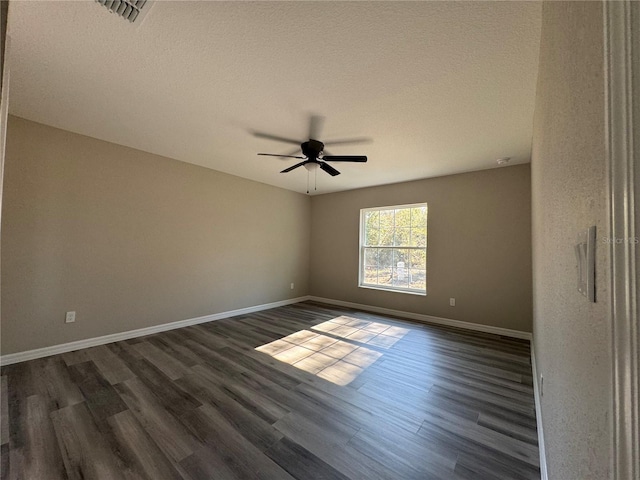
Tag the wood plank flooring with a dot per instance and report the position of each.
(307, 391)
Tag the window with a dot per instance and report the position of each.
(393, 248)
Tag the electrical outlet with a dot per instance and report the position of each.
(452, 302)
(292, 286)
(70, 318)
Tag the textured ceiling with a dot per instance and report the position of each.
(439, 87)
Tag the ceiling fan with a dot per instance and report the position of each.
(313, 153)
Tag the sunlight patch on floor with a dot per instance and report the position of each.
(335, 360)
(363, 331)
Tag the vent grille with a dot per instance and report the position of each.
(131, 10)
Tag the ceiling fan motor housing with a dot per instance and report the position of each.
(312, 149)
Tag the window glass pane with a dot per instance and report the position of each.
(401, 255)
(386, 218)
(402, 237)
(417, 279)
(372, 236)
(418, 237)
(403, 217)
(386, 227)
(419, 217)
(371, 265)
(400, 268)
(385, 270)
(372, 219)
(371, 226)
(418, 259)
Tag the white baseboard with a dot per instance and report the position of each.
(507, 332)
(537, 397)
(116, 337)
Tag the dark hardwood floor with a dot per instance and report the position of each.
(306, 391)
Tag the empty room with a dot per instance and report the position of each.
(319, 240)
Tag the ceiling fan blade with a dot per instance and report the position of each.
(329, 169)
(349, 140)
(276, 138)
(315, 126)
(345, 158)
(294, 167)
(281, 156)
(297, 150)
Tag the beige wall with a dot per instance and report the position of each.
(478, 246)
(571, 335)
(128, 239)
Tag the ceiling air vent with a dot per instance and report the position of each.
(132, 10)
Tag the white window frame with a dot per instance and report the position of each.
(362, 247)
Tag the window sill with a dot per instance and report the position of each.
(393, 290)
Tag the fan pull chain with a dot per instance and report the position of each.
(307, 182)
(315, 179)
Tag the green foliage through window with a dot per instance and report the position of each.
(394, 248)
